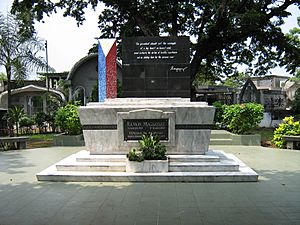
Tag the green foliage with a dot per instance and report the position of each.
(288, 127)
(14, 115)
(206, 75)
(235, 81)
(40, 119)
(296, 76)
(64, 87)
(94, 95)
(50, 119)
(241, 118)
(3, 76)
(227, 32)
(219, 112)
(296, 102)
(18, 51)
(67, 118)
(26, 122)
(150, 148)
(135, 155)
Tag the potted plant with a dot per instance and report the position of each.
(150, 157)
(67, 119)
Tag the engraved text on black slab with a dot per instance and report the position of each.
(135, 128)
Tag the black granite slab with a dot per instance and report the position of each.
(156, 67)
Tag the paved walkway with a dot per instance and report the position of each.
(275, 199)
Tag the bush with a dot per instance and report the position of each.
(40, 119)
(135, 155)
(288, 127)
(241, 118)
(14, 115)
(67, 118)
(150, 149)
(50, 119)
(219, 112)
(296, 102)
(26, 122)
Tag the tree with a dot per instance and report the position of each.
(294, 37)
(227, 33)
(18, 51)
(236, 81)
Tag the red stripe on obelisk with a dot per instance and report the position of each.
(111, 72)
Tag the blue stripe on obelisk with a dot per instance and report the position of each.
(101, 74)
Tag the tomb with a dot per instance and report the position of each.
(115, 125)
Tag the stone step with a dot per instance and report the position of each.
(223, 141)
(92, 166)
(102, 158)
(203, 166)
(193, 158)
(239, 176)
(69, 169)
(220, 134)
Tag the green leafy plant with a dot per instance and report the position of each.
(14, 115)
(50, 119)
(219, 112)
(241, 118)
(40, 119)
(288, 127)
(296, 102)
(26, 123)
(135, 155)
(67, 118)
(150, 148)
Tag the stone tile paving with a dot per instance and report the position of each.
(274, 200)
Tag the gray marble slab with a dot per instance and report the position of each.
(178, 111)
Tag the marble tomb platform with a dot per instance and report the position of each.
(187, 124)
(110, 130)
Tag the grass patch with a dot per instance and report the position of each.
(265, 133)
(40, 140)
(44, 137)
(266, 136)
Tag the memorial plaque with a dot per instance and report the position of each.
(135, 128)
(156, 67)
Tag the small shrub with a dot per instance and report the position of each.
(150, 149)
(26, 124)
(135, 155)
(50, 119)
(219, 112)
(14, 115)
(288, 127)
(40, 119)
(67, 118)
(241, 118)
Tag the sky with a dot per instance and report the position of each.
(68, 43)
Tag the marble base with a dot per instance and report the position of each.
(189, 124)
(147, 166)
(102, 168)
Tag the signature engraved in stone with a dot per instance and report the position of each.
(178, 69)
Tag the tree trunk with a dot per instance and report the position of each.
(9, 124)
(174, 18)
